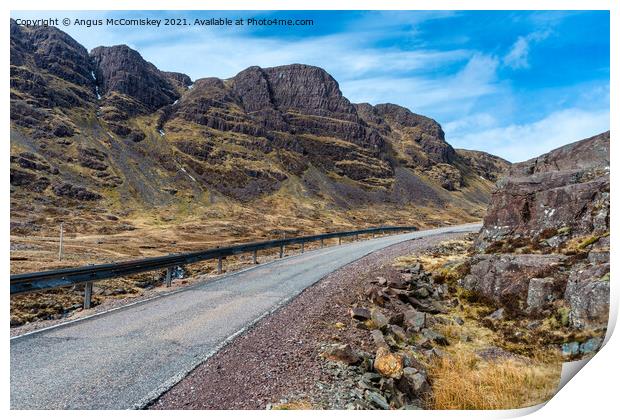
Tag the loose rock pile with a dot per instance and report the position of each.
(399, 314)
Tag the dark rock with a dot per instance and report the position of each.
(378, 338)
(377, 400)
(379, 319)
(75, 191)
(360, 314)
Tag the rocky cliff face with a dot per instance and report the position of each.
(566, 189)
(544, 246)
(98, 128)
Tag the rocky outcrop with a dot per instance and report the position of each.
(122, 70)
(546, 237)
(506, 279)
(566, 190)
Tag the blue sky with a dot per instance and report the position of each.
(513, 83)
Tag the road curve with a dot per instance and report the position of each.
(126, 358)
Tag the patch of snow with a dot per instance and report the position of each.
(161, 133)
(97, 92)
(190, 86)
(191, 177)
(175, 102)
(92, 73)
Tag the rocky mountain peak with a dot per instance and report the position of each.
(123, 70)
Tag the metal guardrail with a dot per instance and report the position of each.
(43, 280)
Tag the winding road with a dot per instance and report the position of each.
(126, 358)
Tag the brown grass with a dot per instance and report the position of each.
(463, 381)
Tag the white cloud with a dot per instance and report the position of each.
(518, 56)
(443, 94)
(521, 142)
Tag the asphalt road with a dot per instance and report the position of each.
(126, 358)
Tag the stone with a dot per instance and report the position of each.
(458, 320)
(360, 314)
(398, 332)
(414, 319)
(540, 293)
(435, 337)
(498, 315)
(414, 383)
(377, 400)
(379, 319)
(397, 319)
(388, 364)
(378, 338)
(587, 294)
(341, 353)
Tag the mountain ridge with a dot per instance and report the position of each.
(106, 131)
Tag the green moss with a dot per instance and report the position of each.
(564, 231)
(588, 241)
(562, 315)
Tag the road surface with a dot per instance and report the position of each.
(126, 358)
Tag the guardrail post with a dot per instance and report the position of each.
(219, 265)
(281, 250)
(340, 240)
(302, 247)
(88, 293)
(357, 237)
(382, 231)
(254, 259)
(168, 276)
(321, 243)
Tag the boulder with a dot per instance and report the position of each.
(341, 353)
(388, 364)
(435, 337)
(360, 314)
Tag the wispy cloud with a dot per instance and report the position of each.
(521, 142)
(518, 56)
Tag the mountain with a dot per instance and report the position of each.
(108, 143)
